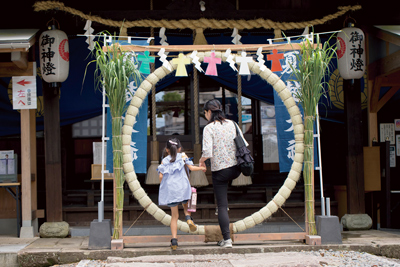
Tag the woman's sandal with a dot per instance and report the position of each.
(174, 243)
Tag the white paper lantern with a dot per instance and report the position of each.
(54, 56)
(351, 53)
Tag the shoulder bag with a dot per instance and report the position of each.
(243, 155)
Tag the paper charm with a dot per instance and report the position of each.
(236, 37)
(275, 58)
(163, 59)
(163, 37)
(212, 64)
(146, 60)
(260, 59)
(149, 39)
(89, 34)
(181, 61)
(229, 59)
(244, 67)
(109, 39)
(195, 61)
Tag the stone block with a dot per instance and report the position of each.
(356, 222)
(100, 235)
(328, 227)
(117, 244)
(313, 240)
(54, 230)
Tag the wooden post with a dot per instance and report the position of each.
(372, 117)
(354, 159)
(257, 135)
(52, 143)
(385, 206)
(26, 197)
(32, 134)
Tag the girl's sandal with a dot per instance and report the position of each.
(189, 221)
(192, 226)
(174, 243)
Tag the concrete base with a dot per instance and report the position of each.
(117, 244)
(328, 227)
(100, 235)
(313, 240)
(9, 259)
(27, 232)
(356, 222)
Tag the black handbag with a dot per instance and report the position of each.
(243, 155)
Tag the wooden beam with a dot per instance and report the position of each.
(20, 59)
(222, 48)
(270, 236)
(10, 50)
(9, 69)
(36, 214)
(161, 238)
(384, 99)
(201, 238)
(384, 35)
(384, 66)
(374, 98)
(391, 80)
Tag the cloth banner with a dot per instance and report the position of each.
(284, 126)
(139, 133)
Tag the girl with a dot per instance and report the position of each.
(175, 186)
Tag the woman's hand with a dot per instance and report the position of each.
(202, 163)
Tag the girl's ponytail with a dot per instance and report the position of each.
(172, 152)
(173, 145)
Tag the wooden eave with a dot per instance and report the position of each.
(384, 72)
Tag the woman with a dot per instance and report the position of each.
(219, 147)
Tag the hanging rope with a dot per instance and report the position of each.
(196, 24)
(241, 180)
(197, 178)
(153, 96)
(239, 94)
(196, 104)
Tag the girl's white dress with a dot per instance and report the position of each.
(175, 185)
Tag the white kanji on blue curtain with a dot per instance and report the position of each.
(284, 126)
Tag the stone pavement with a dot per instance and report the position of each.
(53, 251)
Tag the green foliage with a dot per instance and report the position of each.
(172, 97)
(114, 71)
(312, 66)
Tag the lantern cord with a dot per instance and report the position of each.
(53, 22)
(348, 17)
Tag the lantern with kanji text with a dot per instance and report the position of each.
(351, 53)
(54, 55)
